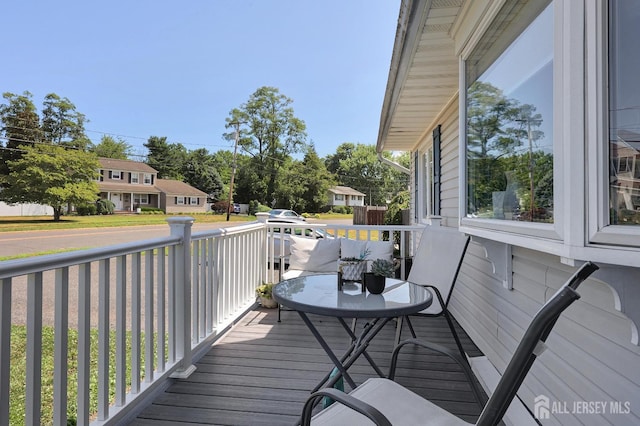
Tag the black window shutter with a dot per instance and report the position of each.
(110, 174)
(175, 201)
(436, 170)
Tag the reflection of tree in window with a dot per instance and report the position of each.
(503, 159)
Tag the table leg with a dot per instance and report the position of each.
(332, 356)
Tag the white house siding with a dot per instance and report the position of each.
(590, 356)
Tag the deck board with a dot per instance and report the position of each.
(261, 372)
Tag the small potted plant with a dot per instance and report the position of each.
(381, 269)
(264, 292)
(352, 268)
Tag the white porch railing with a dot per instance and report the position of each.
(152, 306)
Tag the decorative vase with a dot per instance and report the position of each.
(352, 270)
(268, 302)
(375, 283)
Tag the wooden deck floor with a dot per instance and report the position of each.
(261, 372)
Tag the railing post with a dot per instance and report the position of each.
(181, 226)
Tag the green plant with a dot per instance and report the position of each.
(363, 256)
(265, 290)
(384, 267)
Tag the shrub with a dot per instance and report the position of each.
(105, 207)
(88, 210)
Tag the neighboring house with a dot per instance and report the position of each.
(502, 103)
(180, 197)
(345, 196)
(131, 185)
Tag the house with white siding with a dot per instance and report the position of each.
(522, 120)
(344, 196)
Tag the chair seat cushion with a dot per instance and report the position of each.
(400, 405)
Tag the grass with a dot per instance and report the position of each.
(18, 373)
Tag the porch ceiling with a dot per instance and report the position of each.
(423, 75)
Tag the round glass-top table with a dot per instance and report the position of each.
(319, 294)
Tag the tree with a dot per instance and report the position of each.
(62, 124)
(54, 176)
(200, 172)
(20, 126)
(358, 167)
(168, 159)
(111, 148)
(269, 132)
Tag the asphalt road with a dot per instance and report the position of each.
(32, 242)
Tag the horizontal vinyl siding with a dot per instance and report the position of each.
(449, 166)
(589, 355)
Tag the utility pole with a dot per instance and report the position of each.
(233, 166)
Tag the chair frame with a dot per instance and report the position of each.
(443, 303)
(529, 348)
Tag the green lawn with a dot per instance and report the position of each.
(18, 373)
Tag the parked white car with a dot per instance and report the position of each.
(284, 214)
(281, 236)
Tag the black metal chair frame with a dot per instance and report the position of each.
(523, 358)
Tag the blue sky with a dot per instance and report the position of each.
(176, 68)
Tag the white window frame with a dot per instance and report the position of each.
(180, 201)
(138, 199)
(135, 178)
(339, 197)
(547, 237)
(600, 231)
(115, 173)
(581, 229)
(193, 201)
(148, 178)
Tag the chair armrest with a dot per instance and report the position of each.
(463, 363)
(347, 400)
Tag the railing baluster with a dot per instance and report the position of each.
(148, 316)
(84, 341)
(5, 348)
(195, 293)
(202, 298)
(172, 303)
(161, 310)
(104, 282)
(61, 347)
(121, 332)
(136, 283)
(209, 308)
(34, 349)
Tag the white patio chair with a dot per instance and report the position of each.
(436, 265)
(384, 402)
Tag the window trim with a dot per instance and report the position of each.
(600, 231)
(513, 232)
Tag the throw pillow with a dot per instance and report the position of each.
(317, 255)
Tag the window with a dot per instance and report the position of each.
(116, 174)
(624, 113)
(180, 200)
(135, 178)
(141, 198)
(193, 201)
(509, 117)
(339, 197)
(148, 179)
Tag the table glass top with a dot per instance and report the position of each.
(319, 294)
